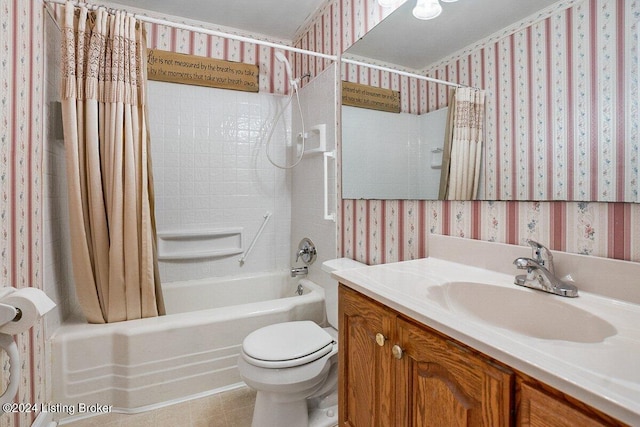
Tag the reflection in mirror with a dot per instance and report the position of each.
(380, 167)
(562, 93)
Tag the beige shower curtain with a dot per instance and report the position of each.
(462, 156)
(108, 166)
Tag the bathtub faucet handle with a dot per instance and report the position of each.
(306, 251)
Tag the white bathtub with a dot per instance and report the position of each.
(191, 352)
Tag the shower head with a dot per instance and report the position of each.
(280, 57)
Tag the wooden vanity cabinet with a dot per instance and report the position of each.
(366, 378)
(394, 372)
(540, 406)
(441, 383)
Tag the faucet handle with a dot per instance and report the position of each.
(306, 251)
(541, 254)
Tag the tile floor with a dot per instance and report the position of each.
(229, 409)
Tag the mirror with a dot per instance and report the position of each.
(561, 82)
(384, 170)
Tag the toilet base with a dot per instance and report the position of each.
(324, 417)
(270, 410)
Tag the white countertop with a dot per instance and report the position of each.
(604, 374)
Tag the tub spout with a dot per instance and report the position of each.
(299, 271)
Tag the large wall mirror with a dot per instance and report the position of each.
(562, 95)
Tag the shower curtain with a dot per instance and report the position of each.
(108, 166)
(462, 155)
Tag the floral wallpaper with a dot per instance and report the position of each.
(563, 44)
(272, 77)
(21, 134)
(379, 231)
(373, 231)
(562, 88)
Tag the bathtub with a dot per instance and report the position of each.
(191, 352)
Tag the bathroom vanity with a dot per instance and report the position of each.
(437, 342)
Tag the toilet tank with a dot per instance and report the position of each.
(331, 292)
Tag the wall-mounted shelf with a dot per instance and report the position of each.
(315, 139)
(198, 244)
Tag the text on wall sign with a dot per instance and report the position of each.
(374, 98)
(195, 70)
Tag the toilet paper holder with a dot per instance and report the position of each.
(9, 313)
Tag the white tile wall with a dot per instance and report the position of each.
(211, 171)
(307, 202)
(376, 138)
(399, 145)
(58, 276)
(432, 128)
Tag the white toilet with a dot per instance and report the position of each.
(294, 366)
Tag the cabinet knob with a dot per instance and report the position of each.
(380, 339)
(397, 352)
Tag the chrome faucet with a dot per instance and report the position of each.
(540, 273)
(299, 271)
(306, 251)
(542, 255)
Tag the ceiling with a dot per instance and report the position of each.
(400, 39)
(411, 43)
(277, 19)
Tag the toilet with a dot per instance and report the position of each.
(293, 366)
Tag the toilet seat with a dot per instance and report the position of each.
(286, 345)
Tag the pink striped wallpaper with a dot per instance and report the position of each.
(272, 77)
(562, 90)
(335, 27)
(570, 44)
(372, 231)
(21, 134)
(379, 231)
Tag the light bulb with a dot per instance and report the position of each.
(427, 9)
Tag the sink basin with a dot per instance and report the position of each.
(524, 311)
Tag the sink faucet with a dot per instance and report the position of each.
(540, 273)
(542, 255)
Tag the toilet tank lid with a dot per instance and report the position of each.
(332, 265)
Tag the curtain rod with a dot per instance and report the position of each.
(201, 30)
(404, 73)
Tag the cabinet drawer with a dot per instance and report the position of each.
(539, 409)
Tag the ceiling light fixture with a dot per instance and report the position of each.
(424, 9)
(427, 9)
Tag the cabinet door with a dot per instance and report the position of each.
(440, 383)
(538, 409)
(366, 383)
